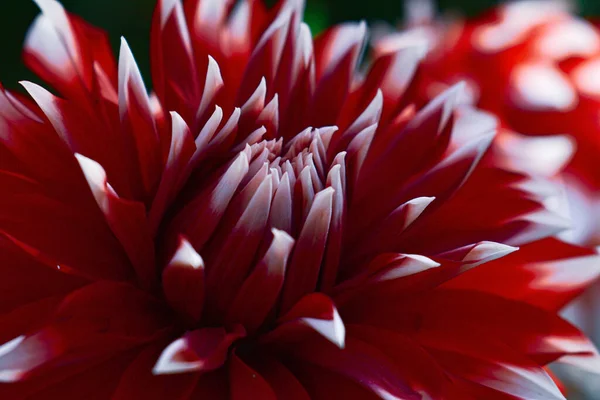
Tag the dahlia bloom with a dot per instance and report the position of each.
(535, 66)
(269, 224)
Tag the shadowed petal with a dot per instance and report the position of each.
(200, 350)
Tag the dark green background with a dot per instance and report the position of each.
(131, 18)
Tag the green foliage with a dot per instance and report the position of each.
(590, 8)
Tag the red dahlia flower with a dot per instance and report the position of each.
(535, 66)
(271, 224)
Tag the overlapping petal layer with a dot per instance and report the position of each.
(271, 223)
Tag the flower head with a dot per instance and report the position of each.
(270, 224)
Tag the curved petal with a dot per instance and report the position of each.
(138, 381)
(183, 282)
(267, 279)
(127, 219)
(200, 350)
(246, 383)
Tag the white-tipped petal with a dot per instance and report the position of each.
(333, 329)
(487, 251)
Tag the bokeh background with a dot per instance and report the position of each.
(131, 18)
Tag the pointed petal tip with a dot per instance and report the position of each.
(281, 234)
(187, 255)
(124, 50)
(421, 201)
(25, 83)
(8, 375)
(489, 251)
(426, 261)
(166, 10)
(32, 88)
(11, 345)
(333, 330)
(168, 365)
(176, 117)
(92, 170)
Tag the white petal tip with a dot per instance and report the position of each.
(167, 363)
(488, 251)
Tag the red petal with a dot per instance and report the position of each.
(137, 120)
(201, 350)
(267, 279)
(419, 368)
(70, 65)
(337, 51)
(176, 170)
(174, 71)
(138, 382)
(329, 270)
(94, 322)
(183, 282)
(305, 264)
(547, 274)
(66, 233)
(362, 363)
(314, 312)
(26, 280)
(199, 219)
(495, 367)
(127, 219)
(236, 246)
(282, 380)
(246, 383)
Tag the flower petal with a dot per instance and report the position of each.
(267, 279)
(200, 350)
(183, 282)
(127, 220)
(305, 263)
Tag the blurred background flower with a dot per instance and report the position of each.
(535, 65)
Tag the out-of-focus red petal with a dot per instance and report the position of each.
(99, 320)
(496, 367)
(175, 81)
(547, 274)
(69, 68)
(542, 336)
